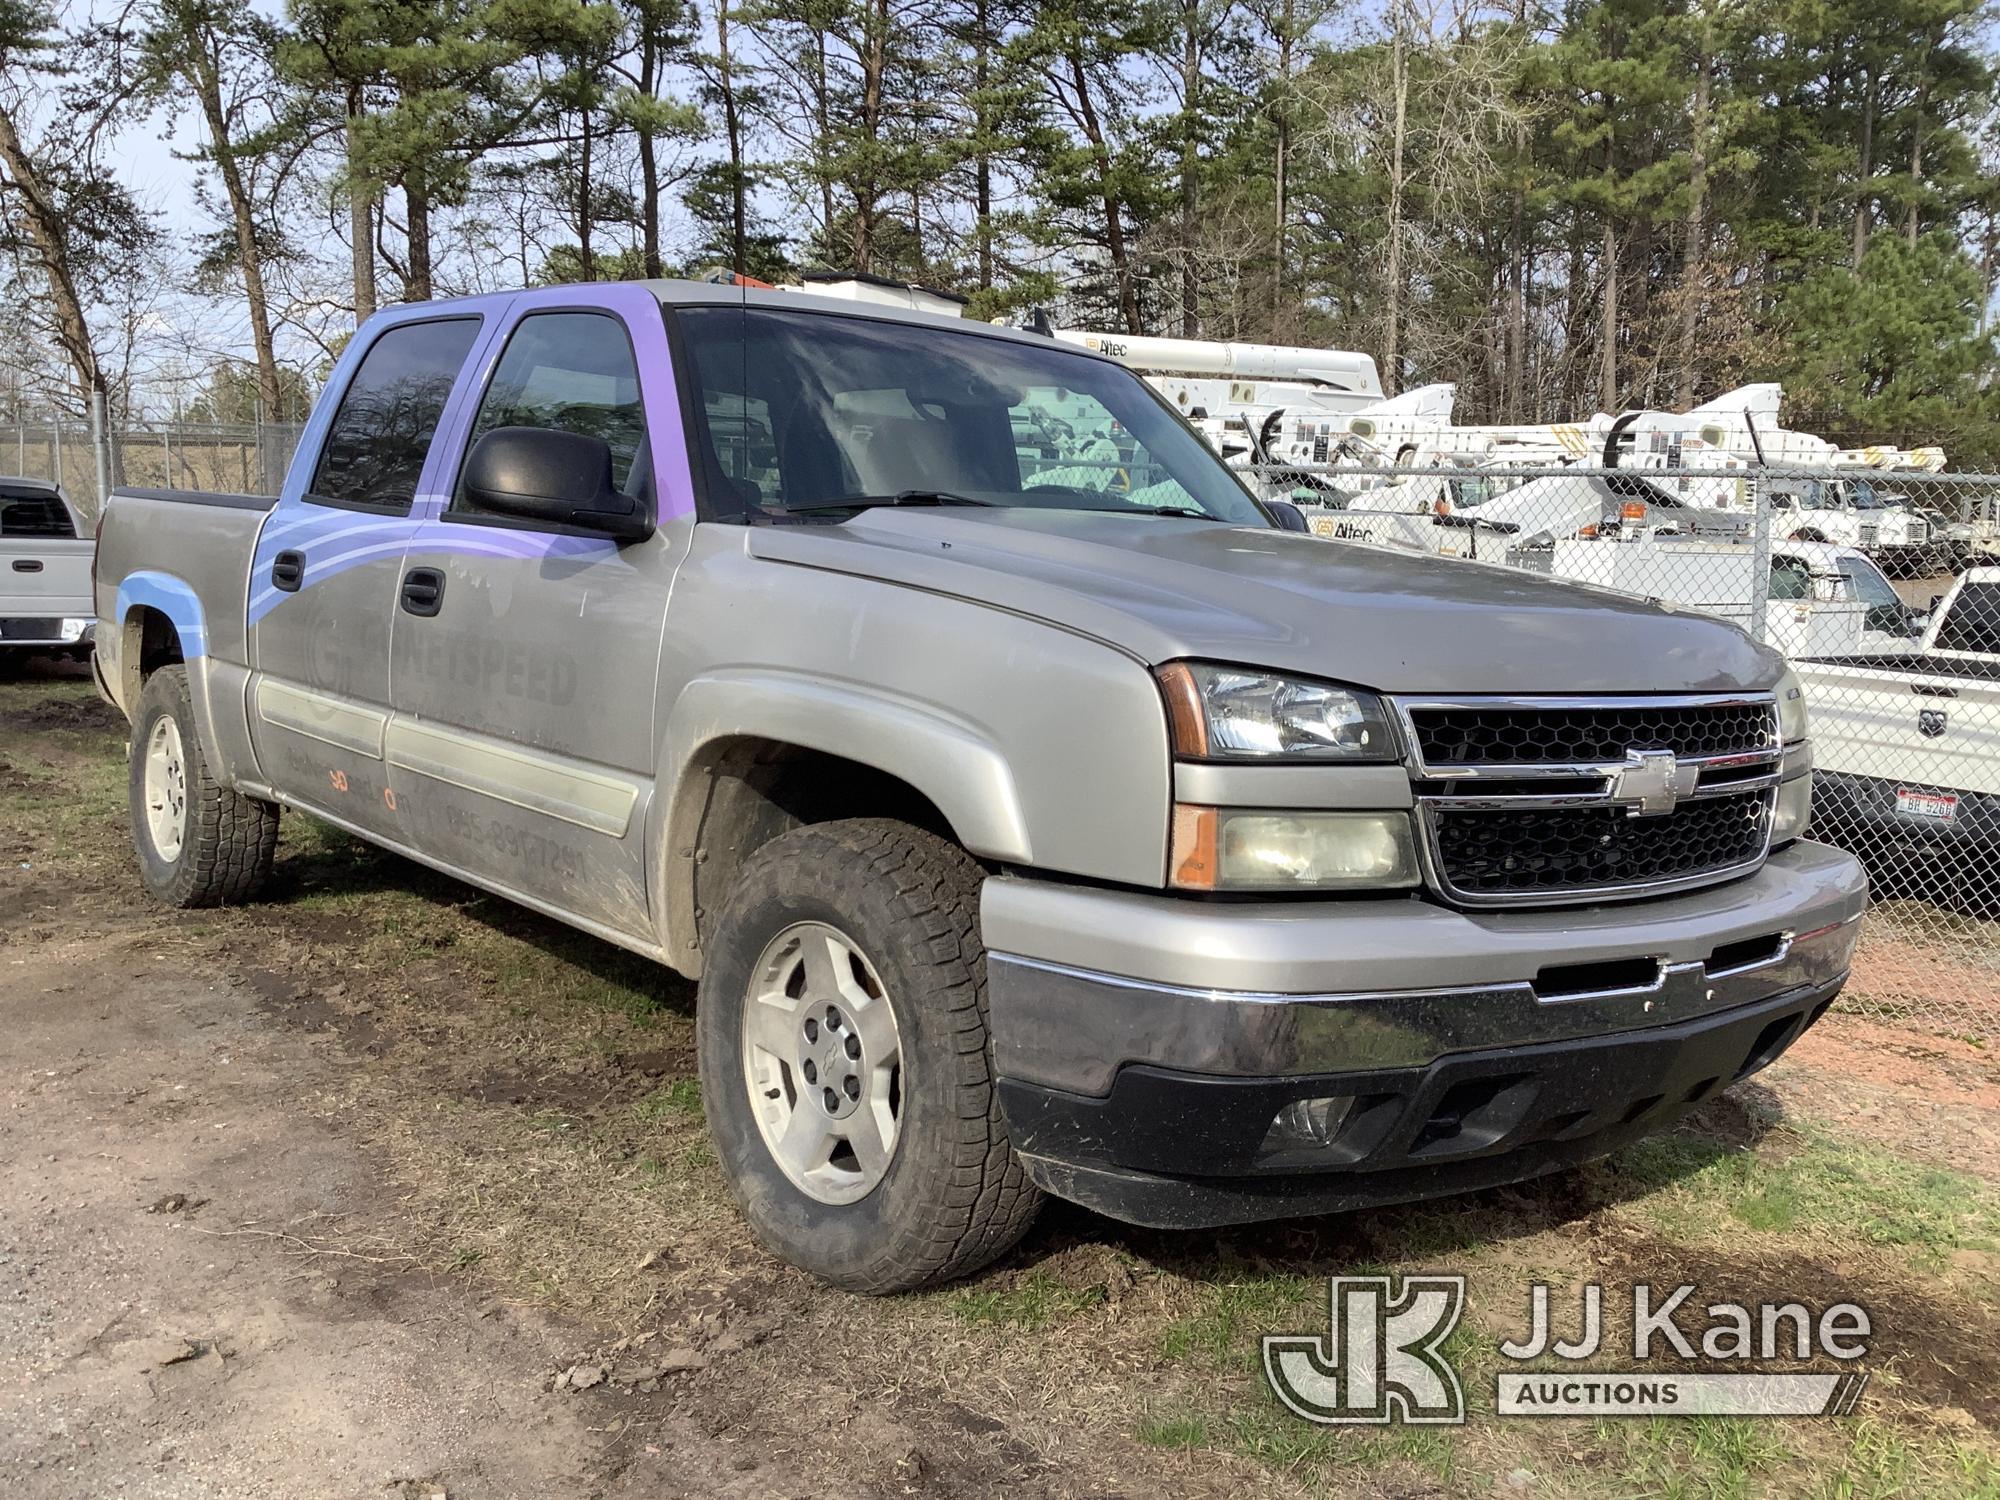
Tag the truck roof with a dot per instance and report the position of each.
(22, 485)
(676, 293)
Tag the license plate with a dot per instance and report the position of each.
(1937, 807)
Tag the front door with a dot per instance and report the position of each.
(525, 665)
(324, 579)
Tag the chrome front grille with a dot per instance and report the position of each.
(1477, 734)
(1555, 851)
(1546, 801)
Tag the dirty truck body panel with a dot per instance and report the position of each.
(560, 711)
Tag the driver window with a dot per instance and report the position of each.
(571, 372)
(1790, 579)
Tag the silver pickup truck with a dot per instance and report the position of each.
(1033, 819)
(45, 553)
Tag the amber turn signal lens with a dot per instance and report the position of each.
(1192, 863)
(1187, 728)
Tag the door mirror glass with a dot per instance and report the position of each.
(558, 479)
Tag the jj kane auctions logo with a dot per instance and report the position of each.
(1382, 1358)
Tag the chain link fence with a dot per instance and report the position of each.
(243, 457)
(1883, 589)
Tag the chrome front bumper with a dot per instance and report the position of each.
(1440, 1051)
(1082, 982)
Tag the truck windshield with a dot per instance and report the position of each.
(816, 411)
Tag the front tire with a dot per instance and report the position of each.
(199, 843)
(845, 1063)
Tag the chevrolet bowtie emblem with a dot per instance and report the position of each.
(1652, 782)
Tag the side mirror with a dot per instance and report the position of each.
(1287, 516)
(554, 478)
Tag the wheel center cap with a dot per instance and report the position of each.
(832, 1074)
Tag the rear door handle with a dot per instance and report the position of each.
(423, 591)
(27, 565)
(288, 571)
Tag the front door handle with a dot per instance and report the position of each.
(27, 565)
(288, 571)
(423, 591)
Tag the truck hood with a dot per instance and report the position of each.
(1162, 588)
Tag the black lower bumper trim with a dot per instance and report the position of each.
(1182, 1150)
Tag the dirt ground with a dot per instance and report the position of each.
(381, 1187)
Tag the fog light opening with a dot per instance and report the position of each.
(1305, 1124)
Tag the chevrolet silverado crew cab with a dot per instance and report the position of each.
(1033, 821)
(45, 593)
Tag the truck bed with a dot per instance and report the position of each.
(184, 554)
(223, 498)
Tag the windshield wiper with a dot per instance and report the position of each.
(901, 497)
(1182, 512)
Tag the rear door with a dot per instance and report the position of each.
(525, 656)
(325, 575)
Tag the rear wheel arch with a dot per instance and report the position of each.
(148, 640)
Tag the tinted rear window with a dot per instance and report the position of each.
(1973, 621)
(382, 433)
(34, 515)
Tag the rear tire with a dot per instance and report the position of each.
(199, 843)
(845, 1063)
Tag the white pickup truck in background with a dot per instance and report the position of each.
(1907, 748)
(45, 575)
(1820, 601)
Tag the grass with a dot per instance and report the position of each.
(1693, 1458)
(678, 1100)
(1035, 1303)
(1846, 1191)
(1880, 1463)
(559, 1192)
(1235, 1313)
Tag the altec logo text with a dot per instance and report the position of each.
(1382, 1358)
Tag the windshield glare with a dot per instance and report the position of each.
(808, 409)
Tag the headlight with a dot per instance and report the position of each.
(1791, 708)
(1235, 713)
(1794, 810)
(1225, 849)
